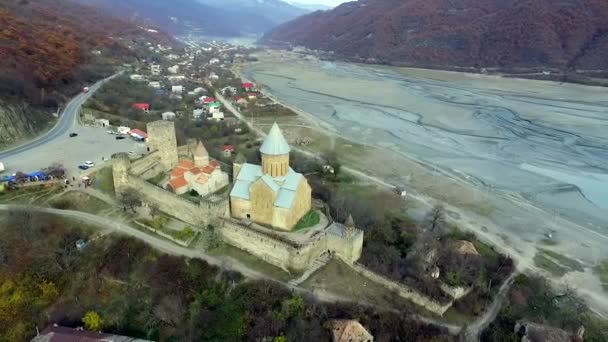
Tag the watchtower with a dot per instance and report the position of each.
(121, 164)
(161, 138)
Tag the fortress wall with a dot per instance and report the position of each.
(404, 291)
(303, 257)
(169, 203)
(348, 248)
(141, 165)
(272, 251)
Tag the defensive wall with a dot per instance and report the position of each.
(180, 208)
(404, 291)
(279, 250)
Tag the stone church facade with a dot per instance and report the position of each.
(271, 194)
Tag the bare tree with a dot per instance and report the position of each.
(435, 220)
(130, 200)
(154, 209)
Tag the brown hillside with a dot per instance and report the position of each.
(504, 34)
(47, 44)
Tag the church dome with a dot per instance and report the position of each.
(275, 143)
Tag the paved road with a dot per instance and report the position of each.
(67, 121)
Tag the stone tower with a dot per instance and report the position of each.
(161, 138)
(275, 153)
(121, 164)
(349, 226)
(201, 156)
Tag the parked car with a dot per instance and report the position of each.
(89, 163)
(83, 167)
(120, 137)
(73, 135)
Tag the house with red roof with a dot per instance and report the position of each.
(145, 107)
(252, 96)
(240, 100)
(201, 174)
(138, 134)
(248, 86)
(228, 150)
(208, 100)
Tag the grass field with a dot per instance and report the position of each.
(33, 195)
(309, 220)
(555, 263)
(75, 200)
(102, 180)
(252, 262)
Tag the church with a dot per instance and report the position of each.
(201, 174)
(271, 194)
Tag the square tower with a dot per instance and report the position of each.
(161, 138)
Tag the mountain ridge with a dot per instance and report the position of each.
(564, 34)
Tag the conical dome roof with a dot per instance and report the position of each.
(200, 150)
(275, 143)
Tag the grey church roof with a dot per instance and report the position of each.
(285, 187)
(275, 143)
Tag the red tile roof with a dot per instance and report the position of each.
(209, 169)
(139, 132)
(208, 100)
(196, 170)
(247, 85)
(142, 106)
(214, 163)
(185, 164)
(178, 183)
(178, 172)
(228, 148)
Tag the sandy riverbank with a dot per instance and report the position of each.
(420, 127)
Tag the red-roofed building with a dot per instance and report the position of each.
(240, 100)
(228, 150)
(179, 185)
(145, 107)
(201, 174)
(138, 134)
(252, 96)
(208, 100)
(248, 86)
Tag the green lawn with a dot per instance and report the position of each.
(309, 220)
(102, 180)
(75, 200)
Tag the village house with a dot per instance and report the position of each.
(248, 86)
(228, 150)
(154, 85)
(137, 78)
(217, 115)
(214, 61)
(272, 194)
(102, 123)
(200, 90)
(145, 107)
(197, 113)
(174, 69)
(241, 101)
(252, 96)
(155, 69)
(138, 134)
(177, 89)
(168, 116)
(229, 90)
(213, 77)
(202, 174)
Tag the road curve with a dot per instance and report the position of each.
(67, 120)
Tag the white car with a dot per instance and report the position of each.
(89, 163)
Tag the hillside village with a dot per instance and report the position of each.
(205, 179)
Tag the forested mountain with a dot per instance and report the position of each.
(565, 34)
(206, 17)
(46, 49)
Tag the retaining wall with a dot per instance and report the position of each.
(404, 291)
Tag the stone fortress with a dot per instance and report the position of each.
(264, 205)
